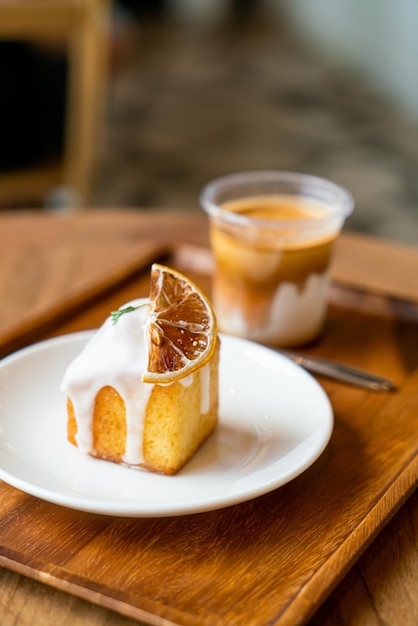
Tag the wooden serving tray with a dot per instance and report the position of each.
(274, 559)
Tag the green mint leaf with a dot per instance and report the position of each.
(115, 315)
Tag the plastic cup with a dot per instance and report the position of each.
(272, 235)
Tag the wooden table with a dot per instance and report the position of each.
(338, 545)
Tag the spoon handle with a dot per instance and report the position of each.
(341, 372)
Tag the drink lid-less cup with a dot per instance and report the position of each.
(272, 235)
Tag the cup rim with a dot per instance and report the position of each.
(214, 210)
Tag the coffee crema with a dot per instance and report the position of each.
(276, 207)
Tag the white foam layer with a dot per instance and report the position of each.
(296, 313)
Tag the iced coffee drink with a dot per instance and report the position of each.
(272, 235)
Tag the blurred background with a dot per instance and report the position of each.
(168, 94)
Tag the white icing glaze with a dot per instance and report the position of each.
(115, 356)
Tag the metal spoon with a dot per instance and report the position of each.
(340, 372)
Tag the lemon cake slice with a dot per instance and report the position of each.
(144, 390)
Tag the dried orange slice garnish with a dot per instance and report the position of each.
(181, 328)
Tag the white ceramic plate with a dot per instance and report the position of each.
(275, 420)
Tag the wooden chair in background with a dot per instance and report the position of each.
(82, 26)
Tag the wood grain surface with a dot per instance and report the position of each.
(49, 273)
(273, 560)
